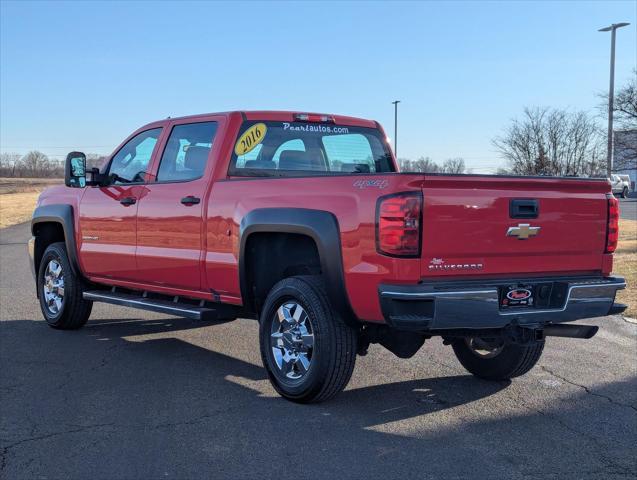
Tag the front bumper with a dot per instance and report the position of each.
(476, 304)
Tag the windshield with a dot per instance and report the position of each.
(293, 148)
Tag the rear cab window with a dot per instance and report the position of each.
(269, 148)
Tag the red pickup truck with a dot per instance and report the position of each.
(303, 222)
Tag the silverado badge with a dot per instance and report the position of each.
(523, 231)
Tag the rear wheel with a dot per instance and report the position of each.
(60, 291)
(307, 350)
(493, 359)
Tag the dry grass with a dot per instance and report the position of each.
(16, 207)
(18, 197)
(21, 185)
(625, 264)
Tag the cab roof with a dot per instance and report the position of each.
(274, 115)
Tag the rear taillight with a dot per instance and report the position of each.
(399, 224)
(612, 227)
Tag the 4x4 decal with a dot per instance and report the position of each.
(371, 184)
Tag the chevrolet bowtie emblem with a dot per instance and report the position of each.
(523, 231)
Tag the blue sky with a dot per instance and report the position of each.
(83, 75)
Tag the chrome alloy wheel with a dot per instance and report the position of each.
(53, 287)
(292, 340)
(485, 347)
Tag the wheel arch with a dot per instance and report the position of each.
(318, 226)
(54, 223)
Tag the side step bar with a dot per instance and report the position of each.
(156, 305)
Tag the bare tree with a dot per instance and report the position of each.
(35, 164)
(9, 162)
(625, 108)
(625, 150)
(427, 165)
(625, 125)
(95, 160)
(626, 104)
(423, 164)
(404, 164)
(453, 165)
(552, 142)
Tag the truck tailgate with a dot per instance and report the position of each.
(470, 226)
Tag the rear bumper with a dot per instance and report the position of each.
(473, 305)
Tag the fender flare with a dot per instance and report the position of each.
(62, 214)
(322, 227)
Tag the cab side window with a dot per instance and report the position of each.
(186, 152)
(130, 164)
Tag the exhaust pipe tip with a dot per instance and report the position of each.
(571, 331)
(617, 308)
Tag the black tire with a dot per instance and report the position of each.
(74, 311)
(334, 343)
(625, 192)
(512, 360)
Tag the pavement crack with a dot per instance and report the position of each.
(104, 360)
(192, 421)
(453, 368)
(5, 449)
(586, 389)
(632, 321)
(608, 462)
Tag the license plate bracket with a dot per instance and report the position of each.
(547, 295)
(517, 296)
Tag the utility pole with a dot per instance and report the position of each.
(396, 102)
(611, 93)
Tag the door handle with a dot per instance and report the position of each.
(190, 200)
(126, 201)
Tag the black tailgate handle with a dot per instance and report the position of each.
(524, 208)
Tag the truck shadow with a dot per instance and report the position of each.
(115, 405)
(367, 406)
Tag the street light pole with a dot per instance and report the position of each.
(396, 102)
(611, 94)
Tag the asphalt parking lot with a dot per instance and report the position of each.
(628, 208)
(140, 395)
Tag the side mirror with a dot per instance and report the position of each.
(75, 170)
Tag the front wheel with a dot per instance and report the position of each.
(493, 359)
(60, 291)
(307, 350)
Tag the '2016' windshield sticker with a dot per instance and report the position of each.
(252, 137)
